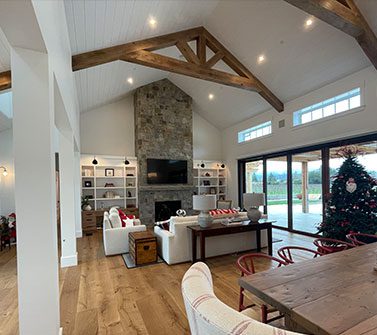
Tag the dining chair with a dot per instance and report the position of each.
(358, 239)
(289, 253)
(246, 264)
(330, 245)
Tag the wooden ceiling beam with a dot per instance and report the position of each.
(187, 52)
(170, 64)
(5, 80)
(102, 56)
(197, 66)
(345, 16)
(214, 59)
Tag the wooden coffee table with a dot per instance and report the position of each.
(220, 229)
(143, 247)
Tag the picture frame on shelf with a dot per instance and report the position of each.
(109, 172)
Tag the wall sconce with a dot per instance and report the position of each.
(222, 165)
(126, 161)
(5, 172)
(94, 161)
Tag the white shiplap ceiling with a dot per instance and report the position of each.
(297, 60)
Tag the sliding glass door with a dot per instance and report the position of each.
(307, 191)
(277, 191)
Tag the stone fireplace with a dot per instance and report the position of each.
(163, 130)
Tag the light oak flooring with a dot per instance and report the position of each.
(102, 296)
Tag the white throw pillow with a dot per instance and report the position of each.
(113, 210)
(129, 222)
(115, 220)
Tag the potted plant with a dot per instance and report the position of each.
(85, 205)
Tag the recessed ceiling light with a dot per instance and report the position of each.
(261, 59)
(308, 22)
(210, 96)
(152, 22)
(130, 80)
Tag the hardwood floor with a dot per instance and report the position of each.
(101, 296)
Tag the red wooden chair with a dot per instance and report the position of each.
(287, 253)
(330, 245)
(358, 239)
(247, 267)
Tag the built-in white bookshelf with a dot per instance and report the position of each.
(109, 185)
(211, 179)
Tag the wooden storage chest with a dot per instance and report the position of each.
(89, 222)
(143, 247)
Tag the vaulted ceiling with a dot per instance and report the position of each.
(297, 59)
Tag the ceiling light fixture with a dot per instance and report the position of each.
(152, 22)
(130, 80)
(308, 22)
(211, 96)
(5, 172)
(261, 59)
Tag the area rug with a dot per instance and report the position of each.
(131, 264)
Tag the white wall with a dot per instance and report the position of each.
(109, 130)
(345, 125)
(207, 139)
(6, 183)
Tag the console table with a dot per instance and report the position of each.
(220, 229)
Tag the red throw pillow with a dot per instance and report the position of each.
(122, 217)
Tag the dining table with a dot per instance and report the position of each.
(335, 294)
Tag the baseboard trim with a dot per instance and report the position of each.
(67, 261)
(78, 233)
(61, 331)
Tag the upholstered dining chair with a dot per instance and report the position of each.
(207, 315)
(289, 254)
(329, 245)
(246, 264)
(358, 239)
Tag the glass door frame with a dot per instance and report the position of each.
(325, 153)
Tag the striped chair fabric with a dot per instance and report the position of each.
(207, 315)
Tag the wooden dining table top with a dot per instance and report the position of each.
(333, 294)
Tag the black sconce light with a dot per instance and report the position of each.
(94, 161)
(126, 161)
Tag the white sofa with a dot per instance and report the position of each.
(174, 246)
(115, 240)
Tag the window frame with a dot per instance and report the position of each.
(247, 133)
(307, 112)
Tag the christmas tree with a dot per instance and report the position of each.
(352, 206)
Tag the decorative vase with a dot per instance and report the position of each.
(254, 214)
(87, 208)
(205, 219)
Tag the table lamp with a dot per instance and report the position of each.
(204, 203)
(252, 202)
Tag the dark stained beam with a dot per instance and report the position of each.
(5, 80)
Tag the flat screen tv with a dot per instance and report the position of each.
(166, 171)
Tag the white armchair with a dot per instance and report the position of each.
(115, 240)
(208, 315)
(174, 245)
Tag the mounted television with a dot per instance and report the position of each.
(166, 171)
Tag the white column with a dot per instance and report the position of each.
(67, 200)
(37, 252)
(78, 195)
